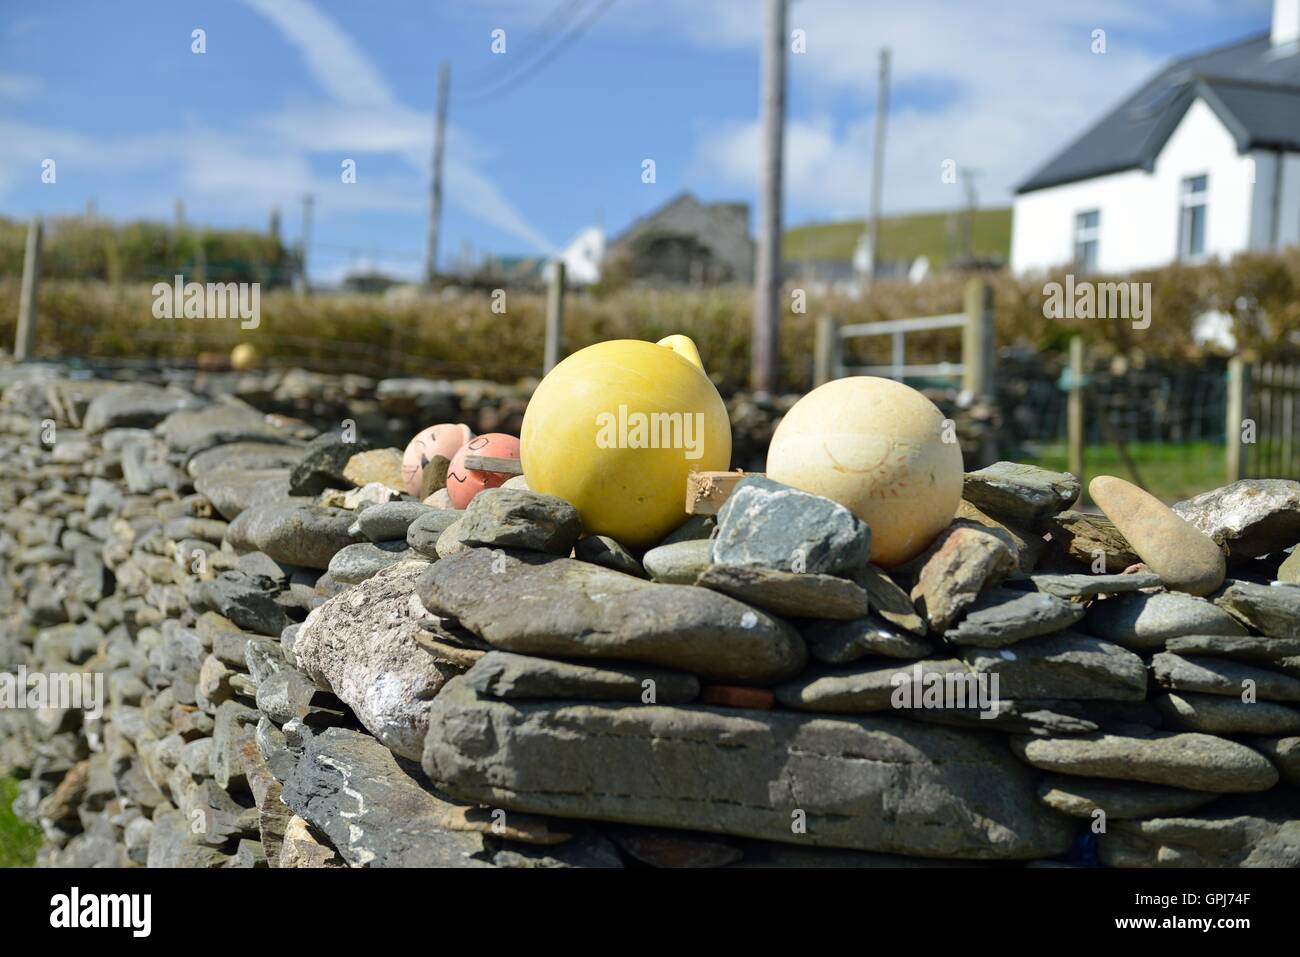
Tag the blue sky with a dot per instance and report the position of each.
(288, 89)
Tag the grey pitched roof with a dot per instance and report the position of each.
(1252, 86)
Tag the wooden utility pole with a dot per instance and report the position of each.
(25, 339)
(435, 188)
(1238, 383)
(1075, 411)
(308, 201)
(554, 343)
(877, 167)
(766, 334)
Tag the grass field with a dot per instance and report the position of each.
(1170, 472)
(904, 237)
(18, 839)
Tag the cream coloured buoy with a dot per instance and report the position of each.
(879, 448)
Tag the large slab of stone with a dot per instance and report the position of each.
(296, 534)
(876, 784)
(350, 787)
(840, 642)
(362, 645)
(538, 604)
(1120, 800)
(1252, 517)
(873, 686)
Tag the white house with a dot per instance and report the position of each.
(1202, 161)
(583, 255)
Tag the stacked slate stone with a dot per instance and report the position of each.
(306, 667)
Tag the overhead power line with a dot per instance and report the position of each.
(566, 39)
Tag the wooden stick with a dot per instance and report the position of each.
(707, 491)
(489, 463)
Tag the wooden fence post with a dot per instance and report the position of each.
(1075, 410)
(25, 337)
(977, 359)
(554, 318)
(977, 341)
(826, 354)
(1238, 376)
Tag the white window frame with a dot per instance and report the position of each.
(1190, 199)
(1085, 235)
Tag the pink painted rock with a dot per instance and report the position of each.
(463, 483)
(1185, 558)
(443, 439)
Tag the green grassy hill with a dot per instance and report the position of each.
(903, 237)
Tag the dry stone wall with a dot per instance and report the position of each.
(302, 667)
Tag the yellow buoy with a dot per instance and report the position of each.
(244, 356)
(879, 448)
(615, 429)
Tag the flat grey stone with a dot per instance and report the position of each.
(679, 563)
(791, 594)
(1085, 586)
(221, 423)
(390, 521)
(888, 600)
(248, 601)
(1001, 616)
(322, 463)
(1271, 609)
(950, 794)
(425, 530)
(232, 491)
(305, 535)
(1143, 621)
(764, 523)
(534, 604)
(1219, 714)
(374, 811)
(500, 674)
(518, 518)
(1024, 495)
(1064, 665)
(867, 687)
(605, 551)
(134, 406)
(1120, 800)
(1251, 517)
(1222, 676)
(1246, 647)
(1284, 752)
(243, 457)
(355, 563)
(1197, 762)
(838, 643)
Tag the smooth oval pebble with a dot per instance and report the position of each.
(1185, 558)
